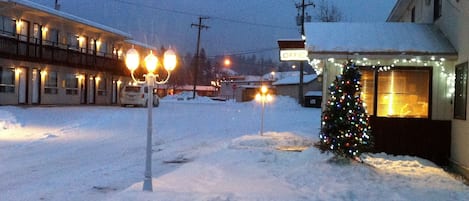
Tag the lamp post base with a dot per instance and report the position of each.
(147, 184)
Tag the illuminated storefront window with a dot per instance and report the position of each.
(398, 92)
(368, 88)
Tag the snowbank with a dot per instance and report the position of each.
(7, 120)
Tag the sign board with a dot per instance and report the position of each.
(292, 50)
(291, 44)
(293, 55)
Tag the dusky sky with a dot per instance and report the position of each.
(235, 26)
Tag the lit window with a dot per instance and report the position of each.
(401, 93)
(368, 88)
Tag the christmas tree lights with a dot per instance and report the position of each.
(345, 127)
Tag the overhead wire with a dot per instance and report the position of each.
(238, 53)
(210, 16)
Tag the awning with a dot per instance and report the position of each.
(343, 40)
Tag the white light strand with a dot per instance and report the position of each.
(380, 66)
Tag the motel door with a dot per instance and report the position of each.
(114, 91)
(36, 83)
(91, 89)
(81, 83)
(22, 85)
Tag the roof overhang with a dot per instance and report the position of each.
(399, 9)
(291, 44)
(376, 40)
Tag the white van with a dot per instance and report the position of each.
(136, 95)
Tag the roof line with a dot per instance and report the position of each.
(68, 16)
(384, 53)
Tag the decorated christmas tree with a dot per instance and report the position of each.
(345, 127)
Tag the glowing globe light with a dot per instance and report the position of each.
(132, 59)
(170, 60)
(151, 62)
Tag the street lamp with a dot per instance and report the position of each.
(132, 61)
(227, 62)
(263, 97)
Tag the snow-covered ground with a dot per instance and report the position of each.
(203, 151)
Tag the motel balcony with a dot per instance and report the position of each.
(18, 48)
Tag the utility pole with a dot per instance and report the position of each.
(57, 5)
(302, 6)
(200, 26)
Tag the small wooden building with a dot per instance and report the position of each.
(407, 80)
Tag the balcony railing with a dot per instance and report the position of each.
(59, 54)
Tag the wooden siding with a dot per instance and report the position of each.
(429, 139)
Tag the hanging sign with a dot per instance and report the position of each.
(293, 55)
(292, 50)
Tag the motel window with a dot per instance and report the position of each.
(403, 93)
(102, 87)
(37, 33)
(7, 80)
(7, 26)
(71, 84)
(102, 48)
(460, 93)
(92, 46)
(50, 83)
(53, 38)
(23, 30)
(73, 41)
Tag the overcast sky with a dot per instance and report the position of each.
(235, 26)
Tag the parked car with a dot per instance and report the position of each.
(137, 95)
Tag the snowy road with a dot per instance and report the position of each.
(202, 151)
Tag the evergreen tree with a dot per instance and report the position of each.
(345, 124)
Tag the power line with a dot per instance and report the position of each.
(246, 52)
(198, 14)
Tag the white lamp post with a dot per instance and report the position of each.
(263, 97)
(132, 61)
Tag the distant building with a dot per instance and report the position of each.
(241, 88)
(288, 86)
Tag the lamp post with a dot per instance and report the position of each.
(132, 61)
(263, 97)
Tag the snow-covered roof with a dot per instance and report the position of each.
(140, 44)
(295, 80)
(313, 93)
(385, 38)
(67, 16)
(281, 75)
(198, 88)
